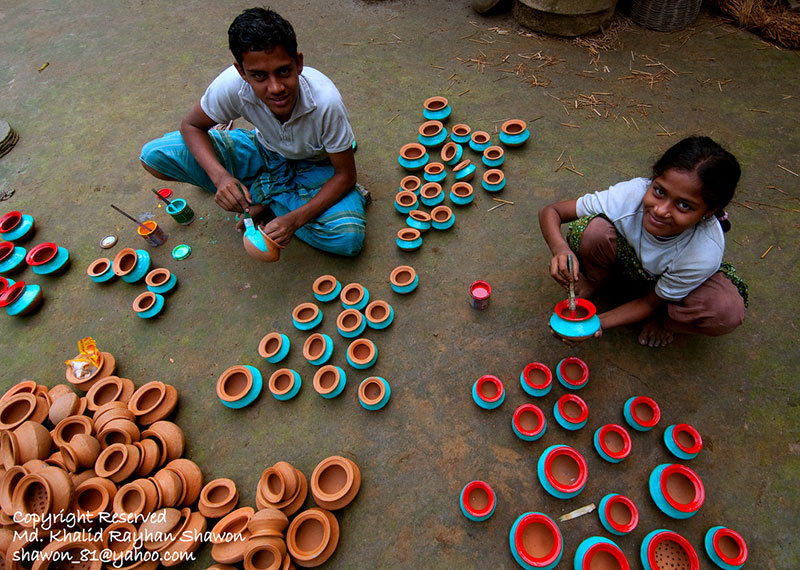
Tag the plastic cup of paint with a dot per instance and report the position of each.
(180, 211)
(479, 293)
(152, 233)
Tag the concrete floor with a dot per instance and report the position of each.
(121, 73)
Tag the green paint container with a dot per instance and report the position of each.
(180, 211)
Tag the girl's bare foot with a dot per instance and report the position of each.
(654, 334)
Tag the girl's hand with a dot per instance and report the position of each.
(573, 342)
(559, 268)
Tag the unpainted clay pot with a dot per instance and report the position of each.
(66, 405)
(235, 524)
(191, 477)
(278, 483)
(188, 541)
(80, 476)
(218, 498)
(48, 491)
(335, 482)
(118, 431)
(117, 462)
(57, 391)
(410, 183)
(111, 411)
(149, 456)
(158, 530)
(8, 483)
(273, 252)
(170, 438)
(264, 553)
(56, 460)
(31, 440)
(23, 387)
(119, 541)
(19, 408)
(268, 522)
(139, 497)
(80, 453)
(94, 496)
(68, 427)
(109, 389)
(294, 492)
(312, 537)
(106, 368)
(169, 485)
(153, 401)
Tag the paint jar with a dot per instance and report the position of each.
(180, 211)
(478, 501)
(726, 548)
(479, 293)
(153, 234)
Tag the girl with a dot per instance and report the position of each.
(664, 237)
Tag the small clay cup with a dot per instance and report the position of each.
(111, 411)
(335, 482)
(70, 426)
(119, 541)
(109, 389)
(23, 387)
(234, 523)
(80, 453)
(191, 477)
(218, 498)
(410, 183)
(118, 431)
(159, 529)
(94, 496)
(31, 440)
(66, 405)
(153, 401)
(17, 409)
(268, 522)
(169, 485)
(312, 537)
(139, 497)
(149, 456)
(264, 553)
(188, 541)
(170, 438)
(117, 462)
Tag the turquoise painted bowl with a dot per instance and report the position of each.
(436, 109)
(603, 548)
(350, 323)
(442, 218)
(477, 501)
(148, 304)
(5, 283)
(408, 239)
(536, 379)
(16, 226)
(514, 132)
(538, 560)
(20, 299)
(618, 514)
(488, 392)
(354, 296)
(480, 141)
(683, 441)
(374, 393)
(679, 546)
(47, 258)
(572, 373)
(726, 548)
(251, 394)
(413, 156)
(582, 325)
(420, 220)
(465, 172)
(161, 281)
(571, 412)
(431, 134)
(12, 258)
(676, 490)
(329, 381)
(493, 156)
(460, 133)
(405, 201)
(431, 194)
(362, 353)
(451, 153)
(612, 442)
(410, 183)
(461, 193)
(318, 349)
(528, 422)
(326, 288)
(404, 279)
(133, 265)
(562, 471)
(493, 180)
(100, 270)
(379, 315)
(306, 316)
(641, 413)
(434, 172)
(284, 384)
(274, 347)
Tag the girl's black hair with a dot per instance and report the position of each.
(717, 169)
(260, 29)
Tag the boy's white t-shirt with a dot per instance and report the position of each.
(682, 263)
(319, 123)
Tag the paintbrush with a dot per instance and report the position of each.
(162, 197)
(137, 222)
(572, 305)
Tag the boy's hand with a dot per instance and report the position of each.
(559, 268)
(281, 229)
(255, 211)
(230, 197)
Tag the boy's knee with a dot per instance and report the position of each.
(350, 245)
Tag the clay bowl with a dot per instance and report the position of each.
(118, 431)
(361, 352)
(64, 406)
(117, 462)
(119, 541)
(94, 496)
(68, 427)
(31, 440)
(153, 401)
(157, 529)
(264, 553)
(149, 456)
(17, 409)
(170, 438)
(169, 485)
(335, 482)
(403, 276)
(218, 498)
(191, 477)
(349, 321)
(188, 541)
(80, 453)
(24, 387)
(268, 522)
(430, 191)
(233, 524)
(109, 389)
(312, 537)
(139, 497)
(461, 131)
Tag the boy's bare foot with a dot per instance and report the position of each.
(654, 334)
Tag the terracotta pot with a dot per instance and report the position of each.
(24, 387)
(159, 529)
(600, 552)
(68, 427)
(278, 483)
(641, 413)
(20, 299)
(318, 349)
(139, 497)
(312, 537)
(354, 296)
(676, 490)
(57, 391)
(268, 522)
(94, 496)
(274, 347)
(264, 553)
(667, 549)
(56, 460)
(66, 405)
(306, 316)
(101, 270)
(329, 381)
(464, 171)
(234, 525)
(326, 288)
(109, 389)
(153, 401)
(431, 133)
(120, 541)
(408, 239)
(493, 156)
(460, 133)
(478, 501)
(612, 442)
(80, 453)
(413, 156)
(149, 456)
(683, 441)
(170, 438)
(419, 220)
(373, 393)
(362, 353)
(34, 465)
(461, 193)
(335, 482)
(562, 471)
(618, 514)
(31, 440)
(405, 201)
(431, 194)
(284, 384)
(442, 218)
(410, 183)
(160, 280)
(480, 141)
(169, 485)
(117, 462)
(111, 411)
(46, 492)
(118, 431)
(189, 541)
(451, 153)
(436, 108)
(18, 409)
(191, 477)
(528, 422)
(260, 246)
(350, 323)
(536, 379)
(572, 373)
(493, 180)
(571, 412)
(8, 483)
(514, 132)
(536, 541)
(488, 392)
(293, 497)
(404, 279)
(80, 476)
(107, 366)
(218, 498)
(434, 172)
(726, 547)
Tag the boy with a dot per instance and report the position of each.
(295, 170)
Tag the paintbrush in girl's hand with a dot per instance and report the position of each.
(572, 305)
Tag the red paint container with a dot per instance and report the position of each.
(479, 293)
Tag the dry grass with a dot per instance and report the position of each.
(775, 23)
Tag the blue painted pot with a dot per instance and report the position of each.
(493, 180)
(413, 156)
(726, 548)
(612, 442)
(16, 226)
(595, 545)
(20, 299)
(274, 347)
(354, 296)
(379, 315)
(436, 109)
(408, 239)
(329, 381)
(451, 153)
(535, 560)
(431, 194)
(318, 349)
(488, 392)
(248, 397)
(306, 316)
(12, 258)
(350, 323)
(583, 324)
(405, 201)
(460, 133)
(536, 379)
(477, 501)
(514, 133)
(480, 141)
(683, 441)
(650, 546)
(284, 384)
(442, 218)
(434, 172)
(461, 193)
(572, 373)
(571, 412)
(683, 479)
(641, 413)
(562, 484)
(326, 288)
(404, 279)
(464, 171)
(362, 353)
(100, 270)
(528, 422)
(131, 265)
(148, 304)
(161, 281)
(410, 183)
(374, 393)
(618, 514)
(5, 283)
(419, 220)
(493, 156)
(431, 134)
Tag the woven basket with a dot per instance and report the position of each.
(664, 15)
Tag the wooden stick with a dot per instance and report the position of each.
(160, 196)
(131, 218)
(763, 255)
(787, 170)
(495, 207)
(393, 118)
(573, 170)
(503, 201)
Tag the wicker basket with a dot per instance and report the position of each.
(664, 15)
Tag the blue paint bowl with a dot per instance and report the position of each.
(477, 501)
(12, 258)
(284, 384)
(562, 471)
(274, 347)
(236, 375)
(306, 316)
(431, 194)
(47, 258)
(460, 133)
(16, 226)
(405, 201)
(408, 239)
(571, 412)
(434, 172)
(451, 153)
(148, 304)
(329, 381)
(514, 133)
(461, 193)
(436, 109)
(488, 392)
(726, 548)
(572, 373)
(362, 353)
(20, 299)
(318, 349)
(602, 547)
(161, 281)
(618, 514)
(379, 315)
(431, 134)
(578, 326)
(354, 296)
(442, 218)
(539, 560)
(493, 156)
(326, 288)
(413, 156)
(641, 413)
(683, 441)
(350, 323)
(679, 545)
(676, 490)
(420, 220)
(480, 141)
(536, 379)
(374, 393)
(131, 265)
(404, 279)
(528, 422)
(100, 270)
(612, 442)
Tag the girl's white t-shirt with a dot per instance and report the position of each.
(682, 263)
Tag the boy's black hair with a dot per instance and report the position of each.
(717, 169)
(260, 29)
